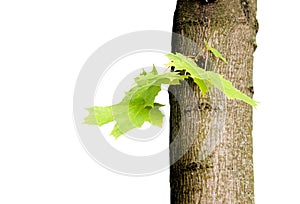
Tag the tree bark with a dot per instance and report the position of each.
(214, 134)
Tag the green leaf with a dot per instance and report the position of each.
(180, 62)
(216, 53)
(138, 105)
(206, 79)
(200, 76)
(229, 90)
(148, 85)
(99, 115)
(129, 116)
(204, 87)
(156, 116)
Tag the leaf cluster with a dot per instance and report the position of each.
(207, 79)
(138, 105)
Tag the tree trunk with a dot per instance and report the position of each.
(214, 134)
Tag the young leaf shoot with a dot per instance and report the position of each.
(138, 105)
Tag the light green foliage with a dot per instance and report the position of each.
(200, 76)
(206, 79)
(138, 105)
(216, 53)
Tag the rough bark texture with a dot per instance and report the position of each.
(213, 134)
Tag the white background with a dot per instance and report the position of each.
(44, 44)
